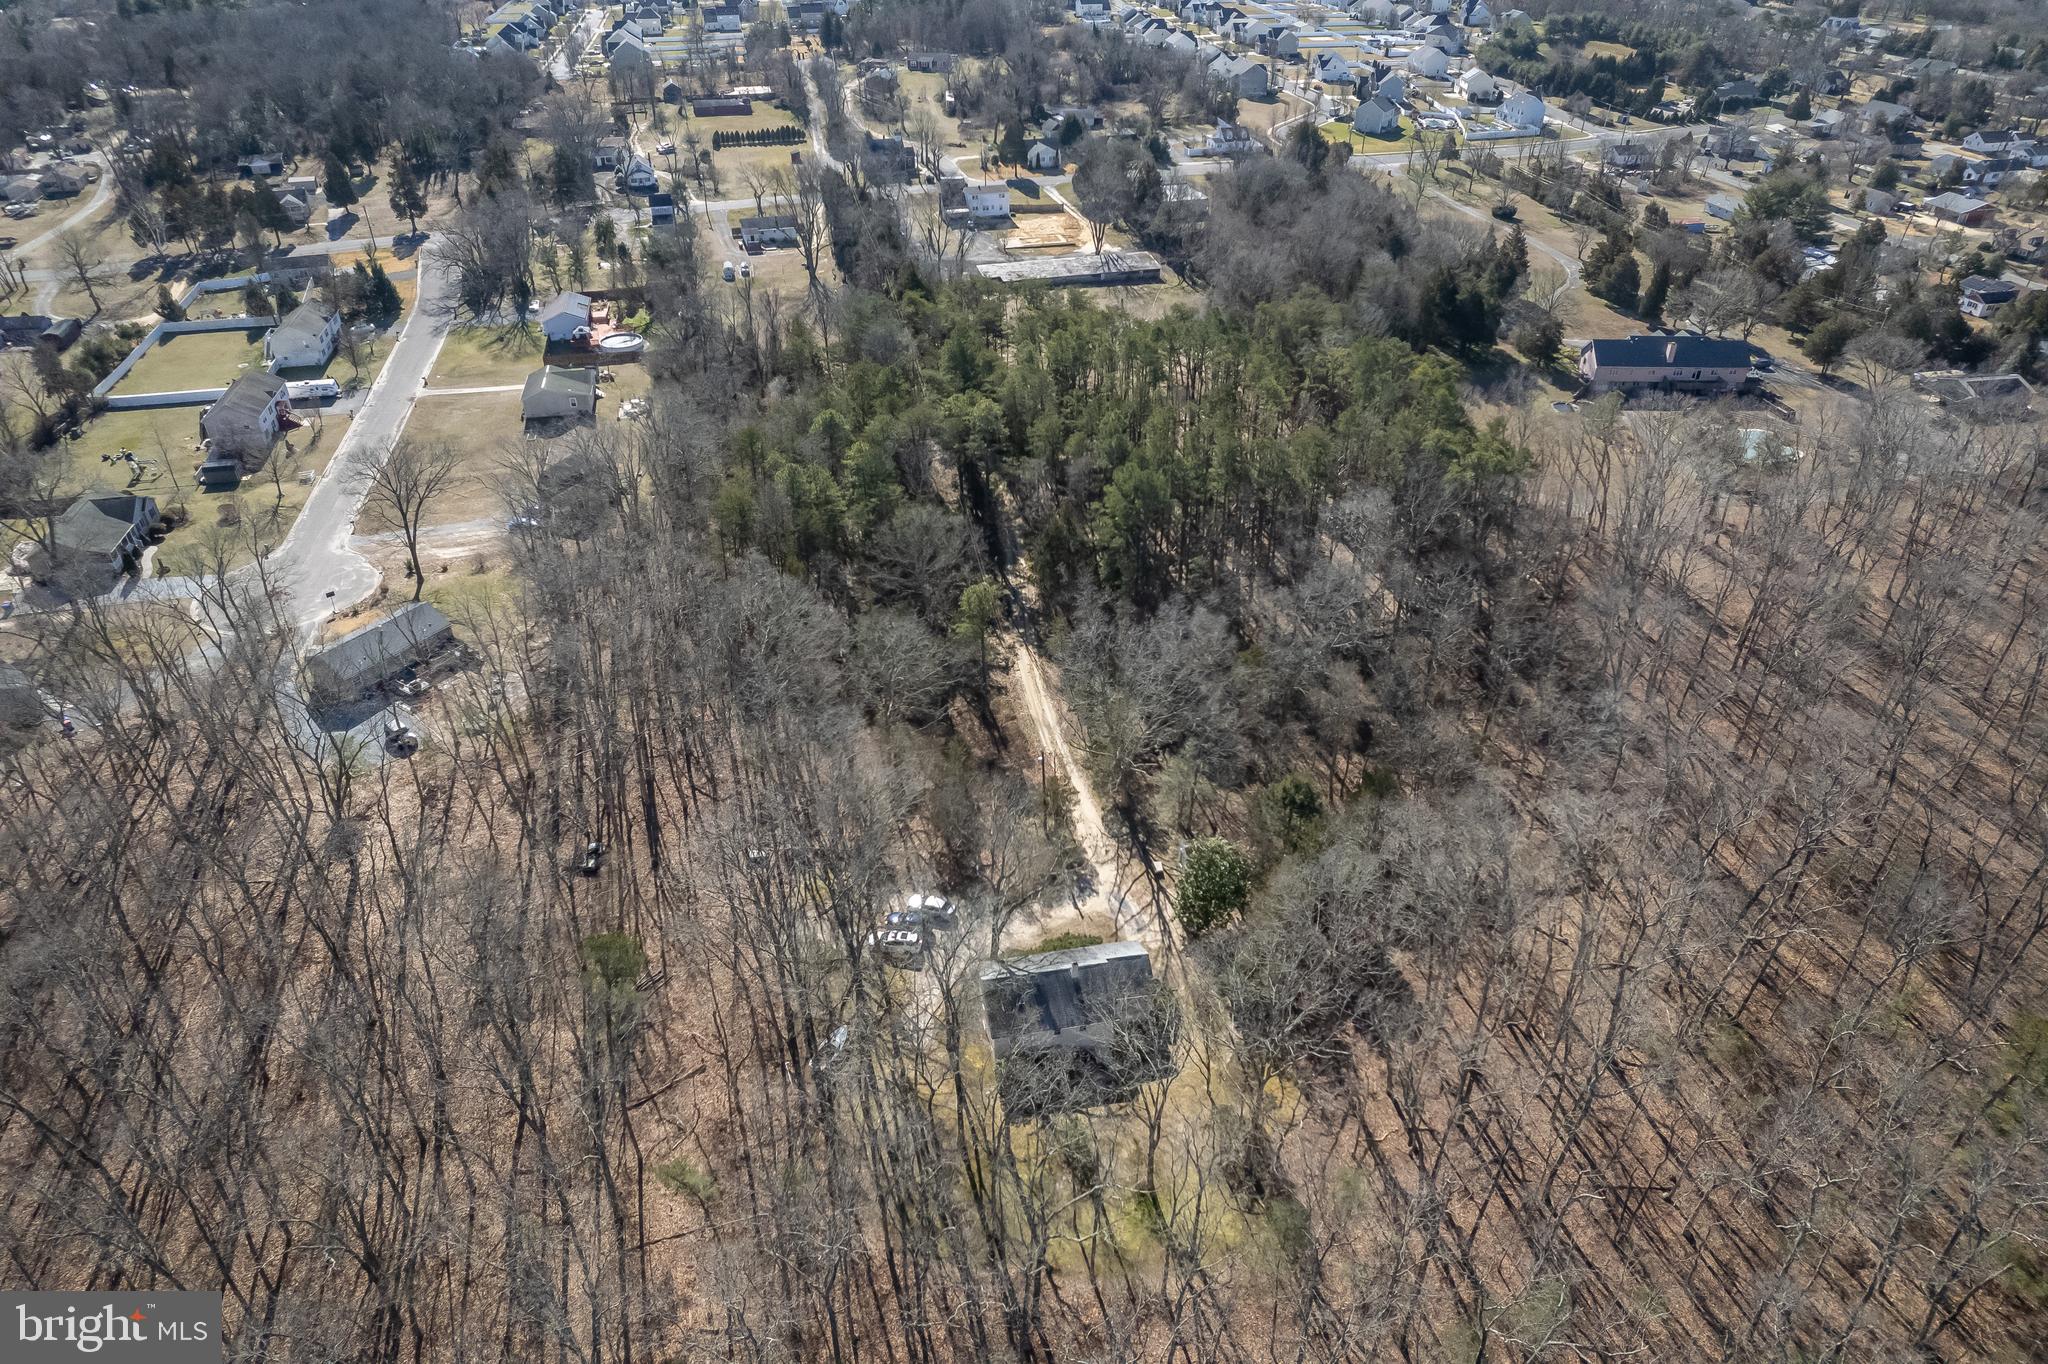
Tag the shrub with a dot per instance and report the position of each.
(1215, 886)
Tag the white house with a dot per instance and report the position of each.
(1393, 88)
(774, 229)
(305, 339)
(986, 203)
(1430, 63)
(1981, 297)
(1043, 156)
(1227, 139)
(639, 177)
(1475, 86)
(1995, 140)
(1376, 118)
(1522, 110)
(563, 314)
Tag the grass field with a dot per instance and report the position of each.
(486, 429)
(1337, 130)
(195, 360)
(473, 357)
(733, 162)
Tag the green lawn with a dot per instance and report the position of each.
(195, 360)
(477, 357)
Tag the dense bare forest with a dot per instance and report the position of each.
(1627, 942)
(1644, 954)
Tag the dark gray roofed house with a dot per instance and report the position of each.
(1681, 363)
(247, 418)
(363, 660)
(1074, 1025)
(100, 535)
(1981, 297)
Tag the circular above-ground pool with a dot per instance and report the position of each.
(622, 343)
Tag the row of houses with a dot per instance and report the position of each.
(53, 182)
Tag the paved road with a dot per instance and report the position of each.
(318, 571)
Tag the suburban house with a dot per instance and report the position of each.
(1277, 40)
(1627, 155)
(1043, 156)
(60, 183)
(1958, 208)
(245, 421)
(661, 210)
(610, 151)
(629, 57)
(1091, 9)
(1827, 123)
(986, 203)
(1998, 140)
(1392, 87)
(1879, 202)
(1429, 62)
(1879, 113)
(19, 189)
(1228, 139)
(720, 106)
(1475, 86)
(563, 315)
(1331, 69)
(1244, 77)
(1981, 297)
(1671, 364)
(99, 536)
(553, 392)
(305, 339)
(1074, 1028)
(296, 210)
(639, 177)
(1723, 206)
(363, 660)
(262, 163)
(723, 18)
(774, 229)
(1521, 110)
(1475, 14)
(1376, 118)
(1742, 91)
